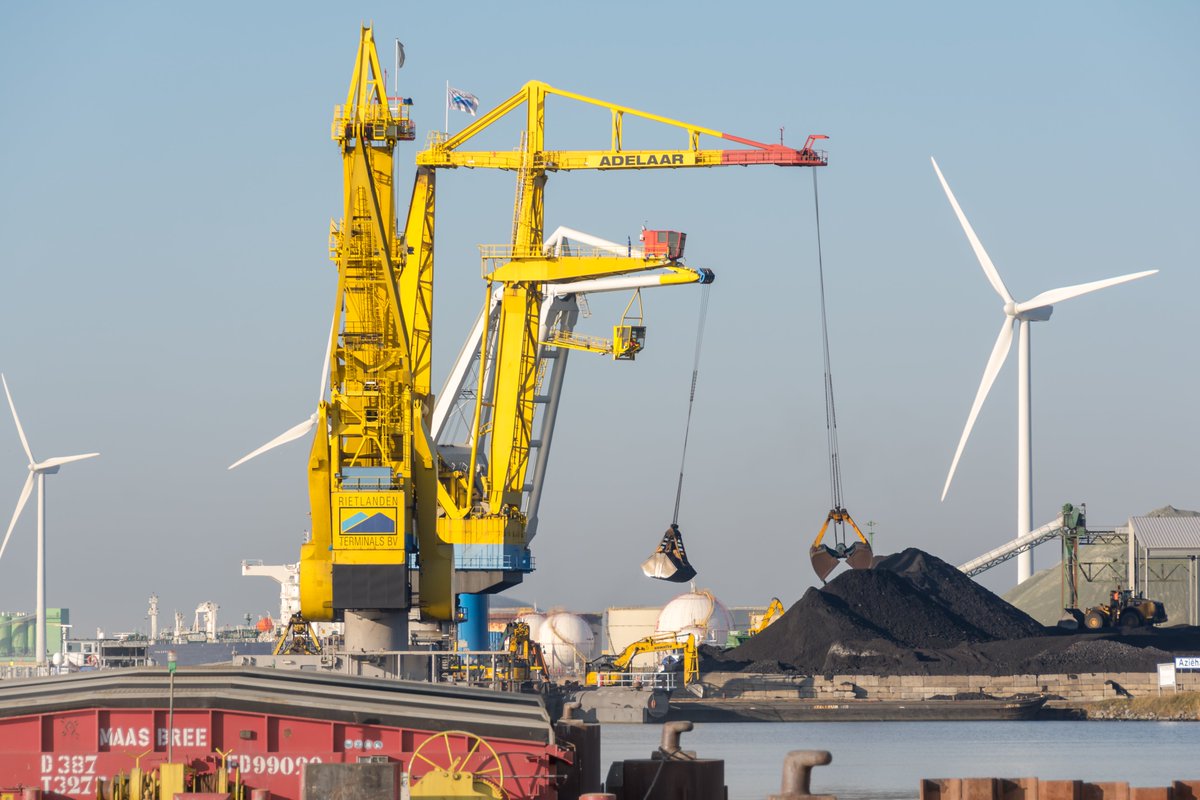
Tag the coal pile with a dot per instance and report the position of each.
(914, 614)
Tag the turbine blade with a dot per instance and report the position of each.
(329, 345)
(16, 419)
(25, 490)
(995, 362)
(1067, 292)
(291, 434)
(58, 461)
(989, 269)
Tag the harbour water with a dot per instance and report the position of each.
(885, 760)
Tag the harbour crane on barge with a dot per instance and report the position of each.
(392, 519)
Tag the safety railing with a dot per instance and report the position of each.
(494, 256)
(657, 680)
(505, 561)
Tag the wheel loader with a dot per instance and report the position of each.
(1124, 609)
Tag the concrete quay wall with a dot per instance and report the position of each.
(1084, 687)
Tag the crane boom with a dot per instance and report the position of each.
(446, 152)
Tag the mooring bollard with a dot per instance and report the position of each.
(797, 775)
(669, 748)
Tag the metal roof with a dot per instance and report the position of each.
(1180, 534)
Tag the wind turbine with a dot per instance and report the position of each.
(40, 469)
(1037, 309)
(304, 428)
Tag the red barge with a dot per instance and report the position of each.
(249, 732)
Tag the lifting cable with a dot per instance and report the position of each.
(704, 292)
(835, 472)
(857, 554)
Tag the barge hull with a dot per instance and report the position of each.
(64, 735)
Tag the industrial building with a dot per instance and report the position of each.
(1163, 551)
(1162, 546)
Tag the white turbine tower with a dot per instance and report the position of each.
(1037, 309)
(40, 469)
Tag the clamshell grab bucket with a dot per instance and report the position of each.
(669, 561)
(858, 555)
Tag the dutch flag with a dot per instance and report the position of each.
(463, 101)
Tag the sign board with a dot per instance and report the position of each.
(1166, 675)
(1187, 662)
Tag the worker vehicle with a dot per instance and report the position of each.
(774, 611)
(1124, 609)
(618, 670)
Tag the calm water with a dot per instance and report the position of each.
(880, 760)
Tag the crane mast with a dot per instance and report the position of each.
(371, 459)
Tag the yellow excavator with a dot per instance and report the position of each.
(774, 611)
(618, 670)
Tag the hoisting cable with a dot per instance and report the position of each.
(858, 555)
(669, 562)
(835, 477)
(687, 427)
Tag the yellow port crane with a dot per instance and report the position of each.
(371, 472)
(481, 505)
(387, 512)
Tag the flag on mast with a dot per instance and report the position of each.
(463, 101)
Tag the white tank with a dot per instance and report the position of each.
(566, 642)
(699, 613)
(534, 620)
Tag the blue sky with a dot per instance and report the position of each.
(166, 184)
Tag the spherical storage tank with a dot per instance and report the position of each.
(566, 642)
(699, 613)
(534, 620)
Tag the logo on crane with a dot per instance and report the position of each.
(362, 522)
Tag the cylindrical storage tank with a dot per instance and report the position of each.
(31, 636)
(566, 641)
(699, 613)
(6, 635)
(21, 628)
(534, 620)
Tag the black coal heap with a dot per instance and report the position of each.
(915, 614)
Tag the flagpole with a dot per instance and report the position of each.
(447, 127)
(396, 77)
